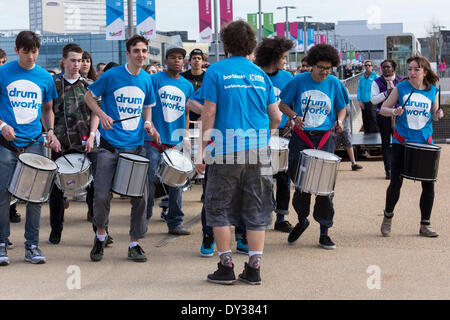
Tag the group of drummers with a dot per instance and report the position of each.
(281, 127)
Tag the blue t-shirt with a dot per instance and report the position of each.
(241, 92)
(415, 124)
(279, 81)
(22, 94)
(169, 114)
(123, 96)
(326, 96)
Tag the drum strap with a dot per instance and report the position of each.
(10, 146)
(305, 138)
(402, 140)
(166, 146)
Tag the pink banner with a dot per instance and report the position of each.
(323, 38)
(281, 30)
(293, 30)
(205, 24)
(226, 11)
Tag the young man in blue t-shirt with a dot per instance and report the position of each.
(26, 92)
(327, 97)
(126, 91)
(171, 119)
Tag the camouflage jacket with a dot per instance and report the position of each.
(72, 115)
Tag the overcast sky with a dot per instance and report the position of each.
(415, 15)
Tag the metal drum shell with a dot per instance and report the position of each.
(279, 156)
(420, 162)
(171, 176)
(74, 184)
(31, 184)
(317, 175)
(130, 176)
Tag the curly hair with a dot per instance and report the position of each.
(270, 50)
(238, 38)
(323, 52)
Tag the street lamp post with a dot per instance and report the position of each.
(260, 30)
(305, 35)
(286, 31)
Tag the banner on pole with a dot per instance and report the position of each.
(268, 25)
(310, 38)
(226, 11)
(252, 19)
(281, 29)
(293, 34)
(145, 18)
(204, 13)
(115, 23)
(301, 41)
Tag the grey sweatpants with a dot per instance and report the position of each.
(103, 181)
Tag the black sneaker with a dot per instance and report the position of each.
(284, 226)
(55, 236)
(223, 275)
(97, 249)
(326, 243)
(250, 275)
(14, 217)
(109, 240)
(297, 231)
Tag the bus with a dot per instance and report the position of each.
(399, 47)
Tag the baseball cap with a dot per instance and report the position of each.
(177, 49)
(196, 52)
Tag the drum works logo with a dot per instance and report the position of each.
(173, 103)
(277, 93)
(417, 110)
(318, 110)
(129, 102)
(26, 100)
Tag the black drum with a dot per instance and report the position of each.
(421, 161)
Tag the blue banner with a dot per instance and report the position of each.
(310, 38)
(301, 47)
(115, 23)
(145, 18)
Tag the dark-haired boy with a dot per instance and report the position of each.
(132, 81)
(26, 92)
(328, 97)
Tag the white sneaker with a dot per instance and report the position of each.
(33, 254)
(4, 260)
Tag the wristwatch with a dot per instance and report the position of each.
(295, 117)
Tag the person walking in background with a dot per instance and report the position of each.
(368, 110)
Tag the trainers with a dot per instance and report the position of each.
(9, 245)
(97, 249)
(297, 231)
(356, 166)
(33, 254)
(284, 226)
(250, 275)
(164, 213)
(386, 226)
(242, 246)
(136, 254)
(207, 248)
(223, 275)
(109, 240)
(55, 236)
(179, 231)
(326, 243)
(426, 231)
(14, 217)
(4, 260)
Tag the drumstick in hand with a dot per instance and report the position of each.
(116, 121)
(408, 98)
(306, 109)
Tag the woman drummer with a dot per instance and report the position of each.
(413, 124)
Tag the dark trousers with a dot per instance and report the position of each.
(283, 193)
(393, 191)
(369, 118)
(323, 208)
(385, 126)
(56, 201)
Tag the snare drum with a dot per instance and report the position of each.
(47, 151)
(420, 161)
(131, 175)
(73, 180)
(33, 177)
(317, 172)
(279, 152)
(175, 175)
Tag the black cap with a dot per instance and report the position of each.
(177, 49)
(196, 52)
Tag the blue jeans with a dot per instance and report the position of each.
(175, 215)
(8, 160)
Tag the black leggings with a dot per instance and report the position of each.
(393, 191)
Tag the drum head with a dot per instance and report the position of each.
(134, 157)
(76, 159)
(422, 146)
(321, 154)
(278, 143)
(179, 160)
(37, 161)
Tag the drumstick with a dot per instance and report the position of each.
(306, 109)
(84, 159)
(408, 98)
(115, 121)
(62, 154)
(164, 151)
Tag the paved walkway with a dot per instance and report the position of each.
(404, 266)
